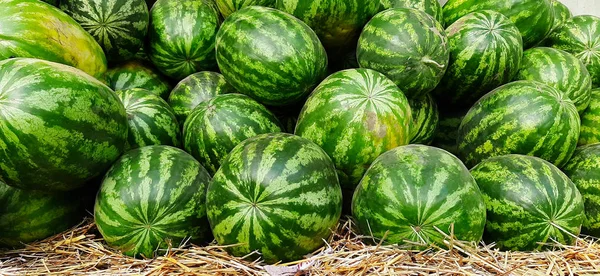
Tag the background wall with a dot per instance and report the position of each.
(577, 7)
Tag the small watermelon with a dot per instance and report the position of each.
(431, 7)
(227, 7)
(137, 74)
(561, 14)
(590, 121)
(425, 118)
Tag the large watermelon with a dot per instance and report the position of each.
(32, 28)
(277, 194)
(227, 7)
(59, 126)
(219, 124)
(529, 201)
(590, 121)
(137, 74)
(560, 70)
(408, 46)
(152, 198)
(534, 18)
(522, 117)
(270, 55)
(580, 36)
(447, 130)
(431, 7)
(584, 171)
(181, 36)
(412, 190)
(425, 118)
(485, 52)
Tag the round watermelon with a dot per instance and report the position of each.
(152, 199)
(270, 55)
(59, 126)
(529, 203)
(561, 14)
(447, 130)
(425, 118)
(137, 74)
(590, 121)
(411, 190)
(431, 7)
(227, 7)
(277, 194)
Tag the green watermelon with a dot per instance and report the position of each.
(580, 36)
(277, 194)
(138, 74)
(425, 118)
(119, 26)
(227, 7)
(410, 190)
(270, 56)
(521, 117)
(32, 28)
(194, 89)
(529, 201)
(408, 46)
(27, 216)
(59, 126)
(152, 198)
(151, 119)
(485, 52)
(584, 170)
(181, 36)
(447, 130)
(534, 18)
(219, 124)
(560, 70)
(590, 121)
(561, 14)
(431, 7)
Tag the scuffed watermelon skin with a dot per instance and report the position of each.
(138, 74)
(431, 7)
(590, 121)
(227, 7)
(425, 116)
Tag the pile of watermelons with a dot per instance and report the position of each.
(259, 123)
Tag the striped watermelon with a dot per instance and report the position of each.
(590, 121)
(560, 70)
(411, 190)
(138, 74)
(32, 28)
(119, 26)
(584, 171)
(219, 124)
(151, 119)
(227, 7)
(447, 130)
(181, 36)
(152, 198)
(561, 14)
(425, 118)
(59, 126)
(522, 117)
(194, 89)
(408, 46)
(270, 55)
(485, 52)
(534, 18)
(277, 194)
(580, 36)
(431, 7)
(27, 216)
(529, 201)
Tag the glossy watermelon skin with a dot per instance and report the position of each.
(534, 18)
(411, 190)
(561, 14)
(181, 36)
(152, 198)
(270, 55)
(270, 181)
(447, 130)
(590, 121)
(408, 46)
(425, 117)
(431, 7)
(59, 127)
(227, 7)
(528, 201)
(560, 70)
(485, 52)
(219, 124)
(34, 29)
(584, 170)
(138, 74)
(521, 117)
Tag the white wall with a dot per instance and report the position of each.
(577, 7)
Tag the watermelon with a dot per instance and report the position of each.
(561, 14)
(534, 18)
(408, 46)
(119, 26)
(580, 36)
(425, 118)
(529, 203)
(270, 56)
(27, 216)
(32, 28)
(277, 194)
(52, 2)
(447, 130)
(431, 7)
(227, 7)
(521, 117)
(584, 170)
(219, 124)
(138, 74)
(194, 89)
(560, 70)
(485, 52)
(590, 121)
(410, 190)
(59, 126)
(152, 198)
(181, 36)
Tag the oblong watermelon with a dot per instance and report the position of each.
(138, 74)
(590, 121)
(59, 126)
(425, 118)
(431, 7)
(227, 7)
